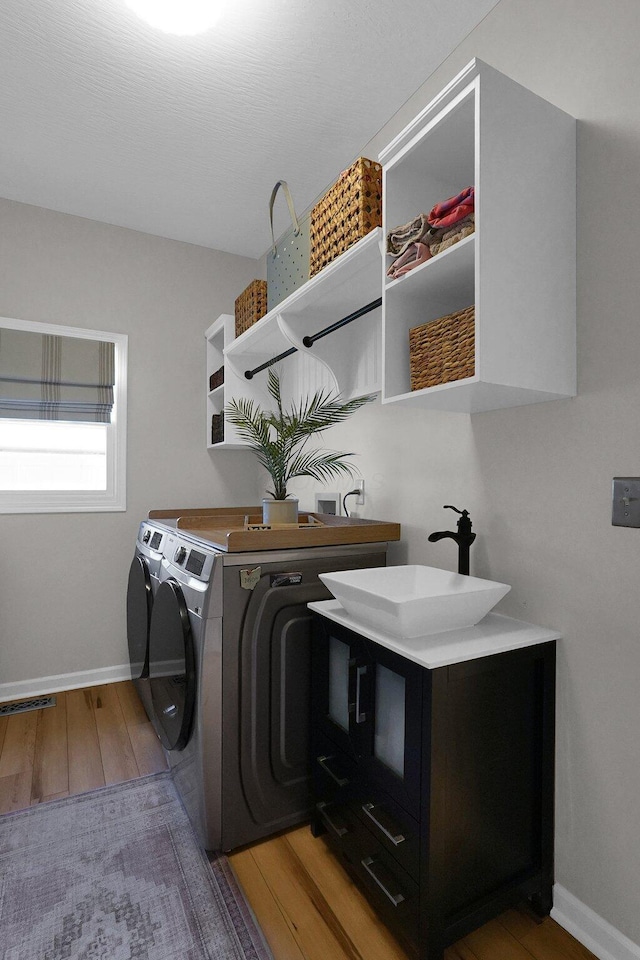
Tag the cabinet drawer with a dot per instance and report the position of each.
(340, 821)
(338, 779)
(392, 827)
(334, 772)
(392, 891)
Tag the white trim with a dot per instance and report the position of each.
(432, 107)
(595, 933)
(38, 686)
(81, 501)
(168, 668)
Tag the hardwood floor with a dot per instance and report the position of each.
(306, 904)
(309, 909)
(91, 737)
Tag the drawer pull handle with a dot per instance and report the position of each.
(333, 826)
(368, 864)
(341, 781)
(395, 838)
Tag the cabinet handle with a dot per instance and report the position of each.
(396, 839)
(368, 864)
(360, 672)
(322, 810)
(341, 781)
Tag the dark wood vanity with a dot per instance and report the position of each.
(435, 787)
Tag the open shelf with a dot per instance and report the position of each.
(350, 356)
(217, 336)
(518, 152)
(217, 394)
(517, 269)
(346, 361)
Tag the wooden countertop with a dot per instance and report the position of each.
(238, 529)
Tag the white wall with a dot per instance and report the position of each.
(537, 479)
(63, 577)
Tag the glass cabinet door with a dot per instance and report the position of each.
(340, 687)
(369, 702)
(396, 710)
(338, 706)
(389, 719)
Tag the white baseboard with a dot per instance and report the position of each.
(39, 686)
(596, 934)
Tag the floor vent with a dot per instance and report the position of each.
(38, 703)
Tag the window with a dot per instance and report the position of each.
(62, 418)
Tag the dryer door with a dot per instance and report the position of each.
(266, 645)
(172, 666)
(139, 606)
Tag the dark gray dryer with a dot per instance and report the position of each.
(230, 675)
(142, 585)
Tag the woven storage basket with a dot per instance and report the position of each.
(251, 305)
(443, 350)
(217, 428)
(216, 379)
(349, 210)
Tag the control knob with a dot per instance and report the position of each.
(147, 536)
(180, 555)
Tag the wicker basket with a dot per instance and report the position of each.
(349, 210)
(216, 379)
(443, 350)
(251, 305)
(217, 428)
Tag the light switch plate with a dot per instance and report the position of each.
(626, 502)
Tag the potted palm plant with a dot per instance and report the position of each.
(280, 437)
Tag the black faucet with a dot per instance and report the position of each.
(464, 537)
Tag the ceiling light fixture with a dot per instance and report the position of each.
(183, 17)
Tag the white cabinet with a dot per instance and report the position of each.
(517, 269)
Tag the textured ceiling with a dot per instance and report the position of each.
(184, 137)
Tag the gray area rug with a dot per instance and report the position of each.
(117, 874)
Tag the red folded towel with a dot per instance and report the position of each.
(455, 208)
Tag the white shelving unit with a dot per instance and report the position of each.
(518, 269)
(220, 333)
(347, 361)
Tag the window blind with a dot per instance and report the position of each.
(47, 377)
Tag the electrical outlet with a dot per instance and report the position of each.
(328, 503)
(360, 487)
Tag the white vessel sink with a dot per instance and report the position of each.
(414, 600)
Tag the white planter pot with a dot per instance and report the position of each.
(280, 511)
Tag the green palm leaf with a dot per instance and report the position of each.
(279, 437)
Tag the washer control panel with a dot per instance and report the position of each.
(195, 562)
(151, 537)
(193, 559)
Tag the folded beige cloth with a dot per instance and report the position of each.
(451, 237)
(400, 238)
(435, 240)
